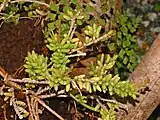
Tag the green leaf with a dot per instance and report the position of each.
(126, 43)
(98, 30)
(94, 88)
(110, 88)
(65, 2)
(88, 87)
(54, 7)
(130, 27)
(40, 77)
(104, 87)
(111, 46)
(67, 87)
(30, 14)
(133, 39)
(86, 17)
(128, 36)
(129, 66)
(157, 7)
(26, 8)
(132, 59)
(108, 77)
(119, 34)
(74, 1)
(97, 107)
(35, 5)
(134, 96)
(80, 84)
(125, 60)
(66, 8)
(98, 88)
(123, 19)
(101, 21)
(38, 71)
(51, 25)
(66, 17)
(55, 87)
(89, 9)
(119, 64)
(124, 30)
(116, 78)
(130, 52)
(121, 53)
(79, 22)
(51, 16)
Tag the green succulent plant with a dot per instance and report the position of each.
(63, 20)
(36, 66)
(125, 44)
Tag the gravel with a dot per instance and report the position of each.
(150, 24)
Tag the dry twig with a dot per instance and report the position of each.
(4, 113)
(33, 107)
(48, 108)
(40, 91)
(51, 95)
(2, 72)
(29, 107)
(28, 80)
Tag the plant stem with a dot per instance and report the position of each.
(85, 105)
(72, 25)
(77, 55)
(77, 87)
(43, 90)
(28, 80)
(51, 95)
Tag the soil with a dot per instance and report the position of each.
(17, 41)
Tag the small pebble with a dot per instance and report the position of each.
(158, 118)
(144, 2)
(156, 29)
(139, 41)
(146, 8)
(152, 16)
(145, 23)
(138, 1)
(152, 1)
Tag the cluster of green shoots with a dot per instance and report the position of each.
(64, 19)
(125, 44)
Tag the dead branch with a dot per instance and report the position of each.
(29, 107)
(28, 80)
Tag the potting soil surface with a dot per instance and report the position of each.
(16, 41)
